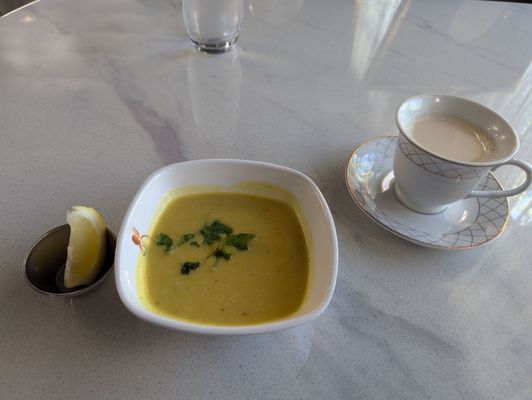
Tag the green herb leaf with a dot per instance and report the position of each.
(220, 228)
(185, 238)
(188, 236)
(209, 237)
(221, 253)
(164, 241)
(211, 233)
(189, 266)
(239, 241)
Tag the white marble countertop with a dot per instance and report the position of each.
(95, 95)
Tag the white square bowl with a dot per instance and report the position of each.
(315, 214)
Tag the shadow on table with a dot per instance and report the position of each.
(8, 6)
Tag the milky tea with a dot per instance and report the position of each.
(452, 138)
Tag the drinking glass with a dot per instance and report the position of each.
(213, 25)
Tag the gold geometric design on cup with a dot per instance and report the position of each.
(437, 165)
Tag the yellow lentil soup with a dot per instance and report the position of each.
(225, 259)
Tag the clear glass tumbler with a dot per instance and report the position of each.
(213, 25)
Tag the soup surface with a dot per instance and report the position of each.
(246, 263)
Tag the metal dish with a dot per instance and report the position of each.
(44, 264)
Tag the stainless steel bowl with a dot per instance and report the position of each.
(44, 263)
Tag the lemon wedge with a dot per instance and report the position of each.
(86, 246)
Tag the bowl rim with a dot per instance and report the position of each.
(212, 329)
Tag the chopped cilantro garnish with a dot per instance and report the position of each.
(185, 238)
(189, 266)
(188, 236)
(216, 232)
(239, 241)
(164, 241)
(211, 233)
(221, 253)
(220, 228)
(209, 237)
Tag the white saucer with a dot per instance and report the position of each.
(465, 224)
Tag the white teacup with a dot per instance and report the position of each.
(446, 145)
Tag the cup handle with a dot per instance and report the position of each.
(510, 192)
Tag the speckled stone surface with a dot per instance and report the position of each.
(95, 95)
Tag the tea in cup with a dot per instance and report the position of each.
(446, 145)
